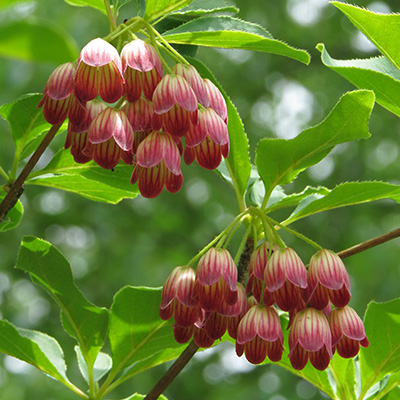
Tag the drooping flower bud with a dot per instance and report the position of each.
(310, 339)
(195, 81)
(99, 72)
(57, 94)
(158, 163)
(179, 297)
(208, 141)
(216, 277)
(175, 105)
(78, 139)
(139, 115)
(285, 277)
(328, 280)
(142, 69)
(348, 332)
(260, 334)
(216, 100)
(111, 138)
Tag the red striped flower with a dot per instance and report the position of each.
(348, 332)
(216, 100)
(328, 280)
(110, 138)
(208, 141)
(99, 72)
(142, 69)
(175, 105)
(216, 277)
(285, 277)
(78, 137)
(310, 339)
(158, 164)
(179, 297)
(260, 334)
(195, 81)
(58, 94)
(258, 262)
(139, 115)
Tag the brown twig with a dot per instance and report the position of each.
(368, 244)
(16, 188)
(173, 371)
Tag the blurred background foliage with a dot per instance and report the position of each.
(139, 241)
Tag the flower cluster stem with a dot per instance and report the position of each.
(173, 371)
(16, 189)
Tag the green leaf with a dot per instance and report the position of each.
(97, 4)
(7, 3)
(157, 8)
(238, 160)
(382, 357)
(33, 40)
(49, 268)
(88, 180)
(279, 161)
(136, 332)
(200, 8)
(101, 366)
(293, 200)
(232, 33)
(343, 374)
(394, 394)
(13, 217)
(345, 194)
(382, 29)
(377, 74)
(35, 348)
(26, 122)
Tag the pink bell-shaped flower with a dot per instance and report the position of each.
(139, 115)
(111, 138)
(58, 93)
(260, 334)
(258, 262)
(216, 278)
(175, 105)
(216, 100)
(99, 72)
(179, 297)
(328, 280)
(285, 277)
(348, 332)
(195, 81)
(142, 69)
(158, 163)
(207, 141)
(310, 339)
(78, 137)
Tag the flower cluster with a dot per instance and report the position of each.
(209, 301)
(156, 118)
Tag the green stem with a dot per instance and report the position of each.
(295, 233)
(239, 196)
(269, 229)
(4, 174)
(266, 198)
(113, 25)
(218, 238)
(173, 53)
(133, 25)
